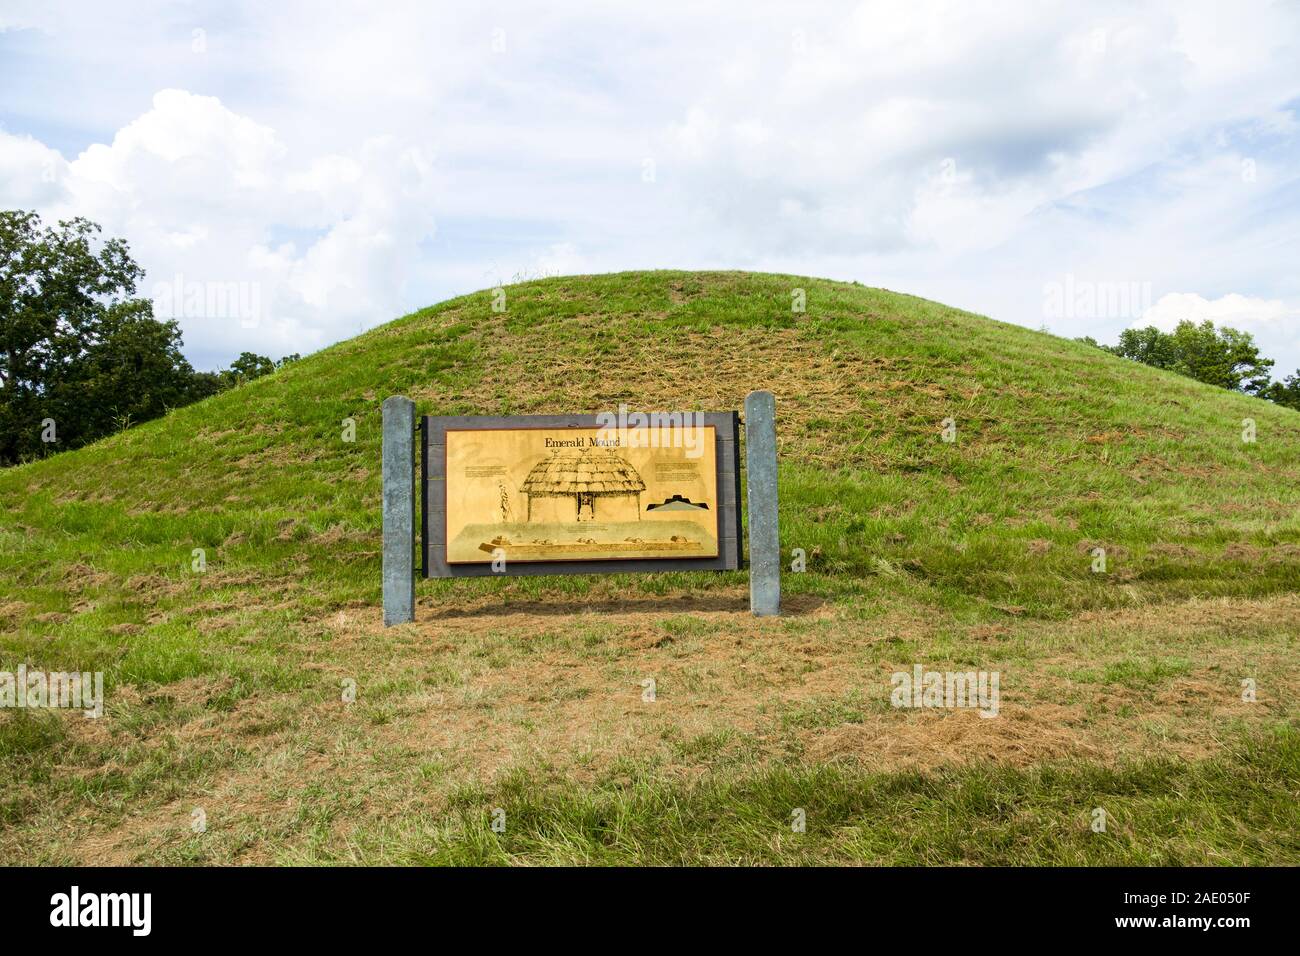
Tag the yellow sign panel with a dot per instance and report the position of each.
(581, 494)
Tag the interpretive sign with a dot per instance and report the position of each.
(563, 494)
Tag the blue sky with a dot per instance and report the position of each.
(298, 172)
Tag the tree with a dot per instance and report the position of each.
(1224, 357)
(59, 290)
(1149, 346)
(206, 384)
(1285, 392)
(249, 366)
(78, 349)
(135, 373)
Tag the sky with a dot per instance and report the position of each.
(289, 174)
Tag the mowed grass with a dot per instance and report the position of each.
(1236, 809)
(223, 684)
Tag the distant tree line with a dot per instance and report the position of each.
(1224, 357)
(81, 356)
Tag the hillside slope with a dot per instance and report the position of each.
(935, 548)
(1058, 446)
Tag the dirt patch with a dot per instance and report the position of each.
(154, 587)
(1018, 735)
(194, 691)
(337, 533)
(1114, 551)
(82, 577)
(1242, 552)
(11, 612)
(1175, 552)
(276, 456)
(616, 610)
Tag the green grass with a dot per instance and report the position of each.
(1237, 809)
(976, 552)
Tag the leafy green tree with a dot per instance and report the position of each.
(1149, 346)
(134, 373)
(78, 349)
(61, 297)
(249, 366)
(206, 384)
(1286, 392)
(1224, 357)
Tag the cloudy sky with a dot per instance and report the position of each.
(315, 169)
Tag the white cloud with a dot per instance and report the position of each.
(1239, 311)
(201, 192)
(562, 258)
(30, 171)
(1274, 324)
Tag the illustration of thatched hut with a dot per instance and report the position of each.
(585, 476)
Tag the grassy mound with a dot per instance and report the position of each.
(977, 551)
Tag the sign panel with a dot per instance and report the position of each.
(566, 494)
(552, 494)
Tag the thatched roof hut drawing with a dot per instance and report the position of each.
(584, 476)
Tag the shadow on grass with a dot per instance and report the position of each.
(793, 605)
